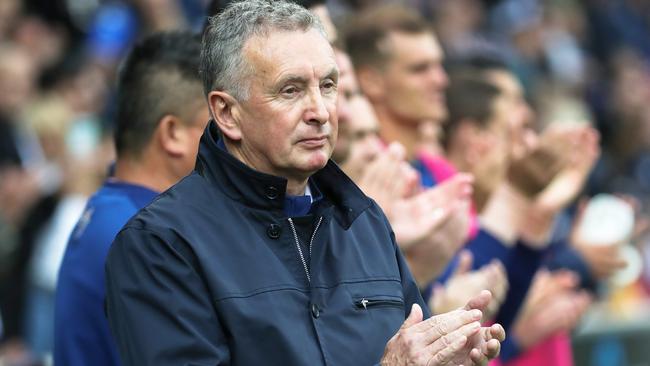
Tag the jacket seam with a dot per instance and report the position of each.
(276, 288)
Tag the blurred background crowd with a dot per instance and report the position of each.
(583, 66)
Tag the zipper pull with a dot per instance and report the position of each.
(364, 302)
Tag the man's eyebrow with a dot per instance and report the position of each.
(333, 74)
(291, 79)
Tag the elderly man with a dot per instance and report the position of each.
(160, 117)
(268, 253)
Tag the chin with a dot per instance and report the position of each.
(316, 161)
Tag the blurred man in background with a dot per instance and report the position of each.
(161, 116)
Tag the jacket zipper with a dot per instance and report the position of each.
(295, 236)
(367, 303)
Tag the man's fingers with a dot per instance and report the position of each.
(492, 349)
(439, 344)
(465, 260)
(497, 332)
(479, 302)
(440, 325)
(447, 354)
(477, 357)
(414, 317)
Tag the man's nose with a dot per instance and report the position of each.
(439, 75)
(317, 110)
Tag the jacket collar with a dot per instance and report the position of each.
(264, 191)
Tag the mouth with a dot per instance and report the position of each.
(313, 142)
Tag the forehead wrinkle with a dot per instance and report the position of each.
(294, 75)
(266, 60)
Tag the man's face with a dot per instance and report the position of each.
(347, 87)
(414, 78)
(494, 146)
(521, 115)
(289, 123)
(17, 74)
(365, 144)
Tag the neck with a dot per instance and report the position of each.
(393, 128)
(296, 187)
(136, 171)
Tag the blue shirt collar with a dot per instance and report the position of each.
(139, 195)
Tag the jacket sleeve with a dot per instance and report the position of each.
(158, 307)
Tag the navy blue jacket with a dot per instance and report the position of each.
(210, 274)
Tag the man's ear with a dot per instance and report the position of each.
(170, 133)
(224, 110)
(371, 82)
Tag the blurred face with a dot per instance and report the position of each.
(414, 78)
(365, 143)
(494, 147)
(17, 75)
(521, 115)
(288, 125)
(324, 15)
(347, 87)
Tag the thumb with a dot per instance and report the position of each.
(465, 260)
(414, 317)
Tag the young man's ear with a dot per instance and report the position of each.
(224, 110)
(170, 133)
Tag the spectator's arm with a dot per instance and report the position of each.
(158, 307)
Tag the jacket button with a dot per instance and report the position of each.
(315, 311)
(274, 231)
(271, 192)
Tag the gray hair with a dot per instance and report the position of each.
(222, 64)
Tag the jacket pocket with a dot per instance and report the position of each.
(369, 302)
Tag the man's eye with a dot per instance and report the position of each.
(420, 68)
(290, 91)
(328, 85)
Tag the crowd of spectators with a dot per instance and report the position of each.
(484, 144)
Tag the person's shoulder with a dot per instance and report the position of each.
(373, 217)
(105, 213)
(177, 207)
(159, 228)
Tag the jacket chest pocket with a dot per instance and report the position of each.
(366, 303)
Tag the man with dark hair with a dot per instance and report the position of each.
(398, 61)
(269, 254)
(161, 115)
(475, 136)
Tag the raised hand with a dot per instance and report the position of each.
(453, 338)
(389, 178)
(415, 218)
(465, 284)
(552, 306)
(432, 226)
(579, 148)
